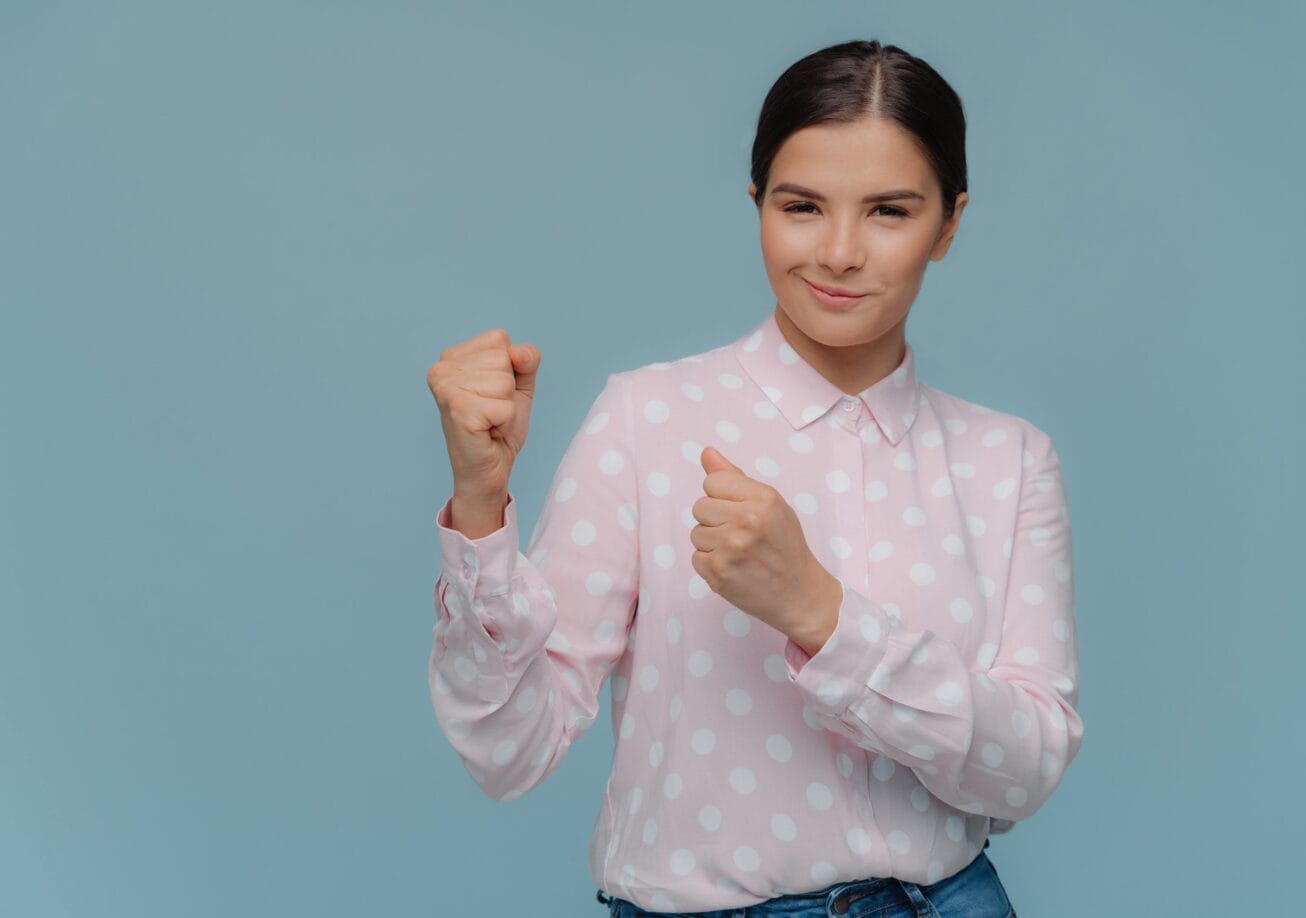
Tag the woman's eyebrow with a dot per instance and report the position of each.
(879, 196)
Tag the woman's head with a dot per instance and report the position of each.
(860, 79)
(839, 131)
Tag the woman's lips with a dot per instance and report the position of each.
(828, 298)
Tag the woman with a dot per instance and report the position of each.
(836, 602)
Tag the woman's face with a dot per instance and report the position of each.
(817, 228)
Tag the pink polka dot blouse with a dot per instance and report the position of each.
(939, 712)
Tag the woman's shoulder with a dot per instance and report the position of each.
(990, 424)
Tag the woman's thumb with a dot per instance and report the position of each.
(525, 359)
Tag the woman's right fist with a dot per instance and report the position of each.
(485, 387)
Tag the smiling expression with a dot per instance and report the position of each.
(855, 208)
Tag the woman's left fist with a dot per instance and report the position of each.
(752, 551)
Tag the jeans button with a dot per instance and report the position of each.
(841, 905)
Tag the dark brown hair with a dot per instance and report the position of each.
(855, 79)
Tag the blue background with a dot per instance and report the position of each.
(233, 238)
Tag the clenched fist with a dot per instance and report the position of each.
(485, 387)
(753, 553)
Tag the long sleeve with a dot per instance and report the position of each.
(993, 740)
(523, 642)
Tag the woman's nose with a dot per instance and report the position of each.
(841, 249)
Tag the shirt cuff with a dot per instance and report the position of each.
(484, 566)
(843, 667)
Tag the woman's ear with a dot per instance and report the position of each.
(949, 228)
(752, 191)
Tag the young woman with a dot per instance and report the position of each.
(836, 603)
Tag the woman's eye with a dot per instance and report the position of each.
(890, 211)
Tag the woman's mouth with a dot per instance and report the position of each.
(833, 300)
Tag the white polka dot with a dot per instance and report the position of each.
(992, 754)
(1020, 723)
(665, 557)
(659, 484)
(830, 692)
(648, 677)
(913, 516)
(837, 481)
(949, 693)
(583, 532)
(730, 381)
(963, 469)
(961, 610)
(566, 489)
(1017, 796)
(779, 747)
(503, 752)
(1027, 656)
(876, 491)
(783, 828)
(942, 487)
(692, 392)
(899, 841)
(880, 550)
(767, 467)
(742, 780)
(976, 525)
(682, 862)
(823, 874)
(672, 785)
(739, 702)
(869, 627)
(922, 572)
(747, 859)
(904, 461)
(858, 841)
(1032, 593)
(698, 587)
(700, 663)
(994, 437)
(953, 544)
(883, 768)
(764, 410)
(703, 740)
(709, 817)
(727, 431)
(805, 503)
(1004, 488)
(841, 547)
(656, 411)
(737, 623)
(819, 796)
(801, 443)
(597, 423)
(598, 583)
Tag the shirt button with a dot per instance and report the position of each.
(849, 405)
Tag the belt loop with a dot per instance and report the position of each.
(602, 898)
(924, 908)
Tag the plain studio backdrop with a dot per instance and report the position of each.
(233, 238)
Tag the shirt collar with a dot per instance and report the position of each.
(803, 395)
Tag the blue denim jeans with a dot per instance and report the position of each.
(975, 892)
